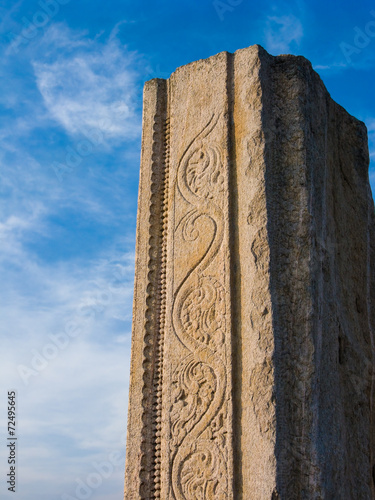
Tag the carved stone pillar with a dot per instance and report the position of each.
(253, 323)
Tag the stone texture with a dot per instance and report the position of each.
(252, 371)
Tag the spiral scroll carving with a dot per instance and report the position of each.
(199, 383)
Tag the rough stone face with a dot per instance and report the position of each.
(252, 372)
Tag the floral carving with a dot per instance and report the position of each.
(203, 173)
(194, 385)
(203, 472)
(203, 312)
(199, 383)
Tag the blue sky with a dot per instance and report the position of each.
(71, 78)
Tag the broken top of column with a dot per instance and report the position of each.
(253, 349)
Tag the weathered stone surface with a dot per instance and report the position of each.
(252, 372)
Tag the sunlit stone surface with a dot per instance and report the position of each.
(253, 329)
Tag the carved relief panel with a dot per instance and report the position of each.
(196, 454)
(198, 409)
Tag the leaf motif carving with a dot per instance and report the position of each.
(203, 472)
(199, 383)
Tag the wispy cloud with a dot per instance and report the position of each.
(283, 33)
(57, 448)
(91, 86)
(351, 47)
(40, 303)
(334, 62)
(67, 255)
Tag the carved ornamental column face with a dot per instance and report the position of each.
(186, 395)
(199, 351)
(243, 324)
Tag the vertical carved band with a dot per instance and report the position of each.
(156, 304)
(198, 454)
(158, 383)
(199, 423)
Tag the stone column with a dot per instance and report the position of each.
(252, 371)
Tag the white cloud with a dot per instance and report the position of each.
(337, 66)
(6, 15)
(336, 62)
(72, 409)
(13, 231)
(71, 416)
(283, 33)
(72, 412)
(60, 288)
(89, 86)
